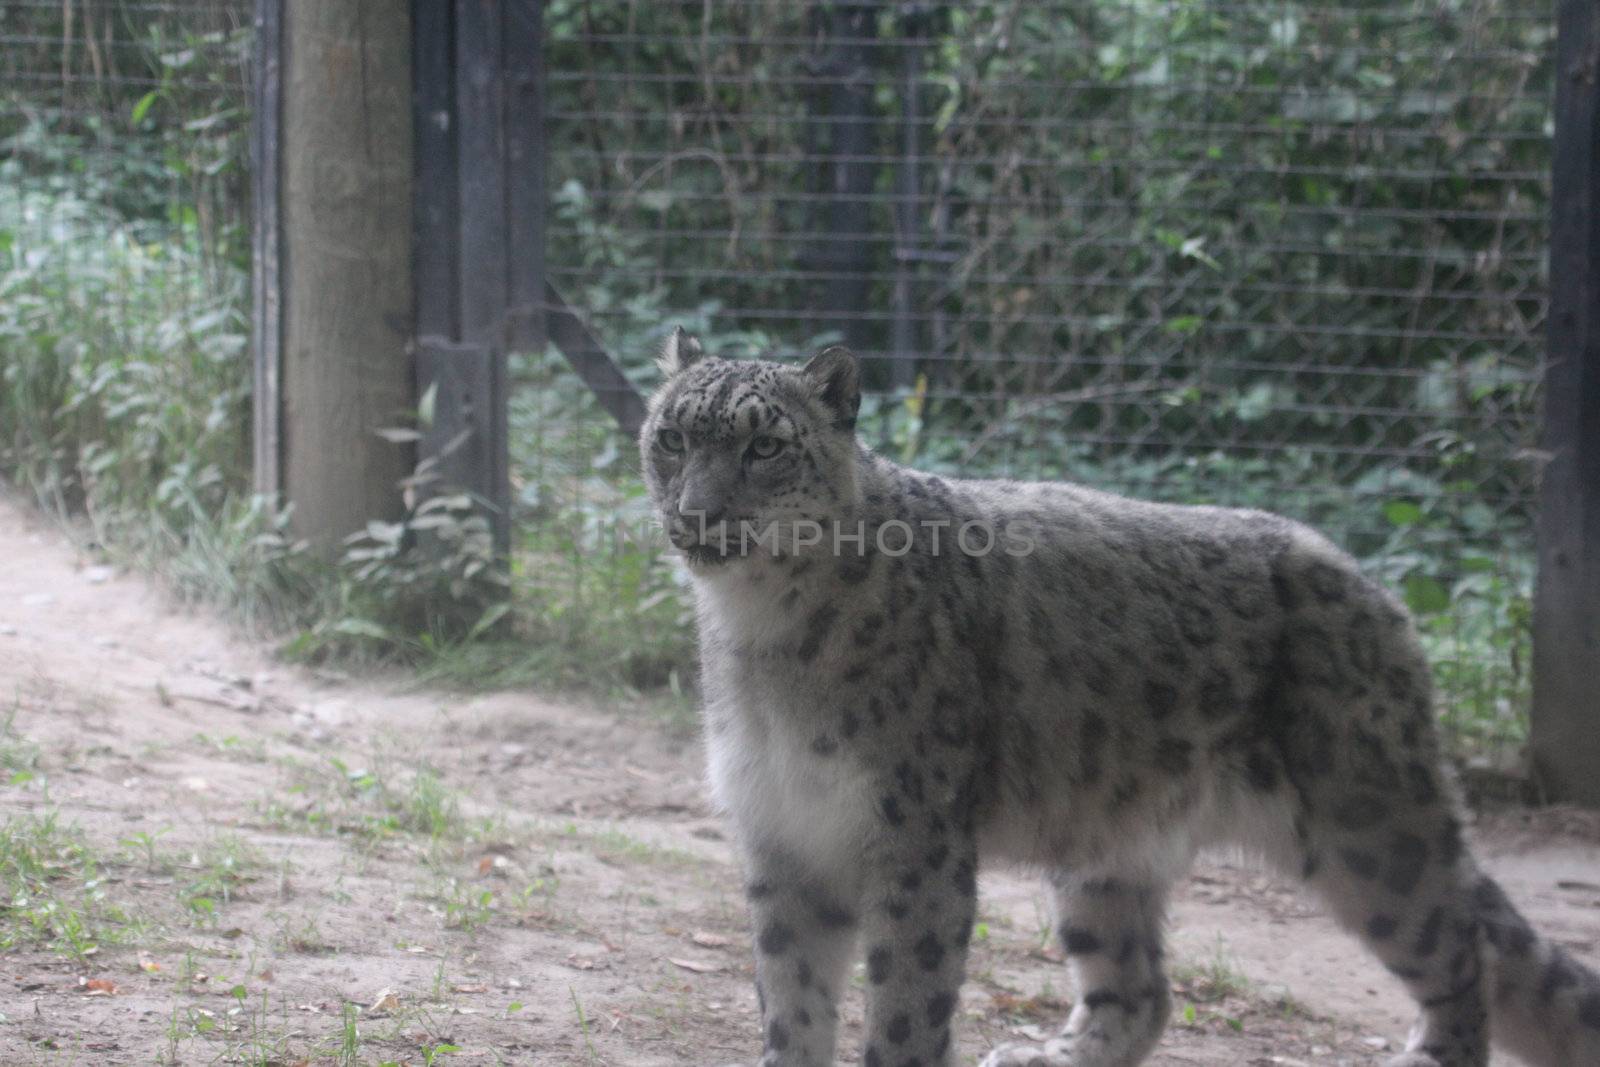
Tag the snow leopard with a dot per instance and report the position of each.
(907, 675)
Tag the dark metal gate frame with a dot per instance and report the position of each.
(479, 249)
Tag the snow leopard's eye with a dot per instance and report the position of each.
(670, 441)
(765, 447)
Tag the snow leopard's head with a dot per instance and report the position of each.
(744, 456)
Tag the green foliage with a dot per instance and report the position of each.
(52, 888)
(372, 803)
(412, 588)
(125, 396)
(594, 579)
(122, 359)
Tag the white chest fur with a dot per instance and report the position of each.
(780, 793)
(764, 713)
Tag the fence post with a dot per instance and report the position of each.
(1566, 622)
(346, 151)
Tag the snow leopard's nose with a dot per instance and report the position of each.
(706, 512)
(707, 491)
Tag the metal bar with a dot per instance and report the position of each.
(480, 122)
(434, 209)
(523, 138)
(266, 251)
(525, 171)
(847, 167)
(483, 281)
(908, 215)
(1566, 651)
(594, 364)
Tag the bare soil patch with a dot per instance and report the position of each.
(210, 857)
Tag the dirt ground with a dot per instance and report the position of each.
(212, 857)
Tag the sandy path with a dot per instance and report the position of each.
(289, 868)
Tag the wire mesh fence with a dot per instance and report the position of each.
(1276, 254)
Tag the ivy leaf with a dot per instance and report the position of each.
(1402, 512)
(1426, 596)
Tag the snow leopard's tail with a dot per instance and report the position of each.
(1545, 1006)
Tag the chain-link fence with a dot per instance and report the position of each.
(1251, 252)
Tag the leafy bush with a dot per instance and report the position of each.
(125, 396)
(106, 337)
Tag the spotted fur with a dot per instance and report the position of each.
(1144, 681)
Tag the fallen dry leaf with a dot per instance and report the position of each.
(474, 987)
(97, 987)
(709, 940)
(148, 965)
(387, 1000)
(697, 966)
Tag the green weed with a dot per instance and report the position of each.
(54, 892)
(19, 757)
(214, 874)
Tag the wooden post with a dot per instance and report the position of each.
(346, 152)
(1566, 649)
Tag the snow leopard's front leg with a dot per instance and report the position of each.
(917, 914)
(804, 933)
(1109, 924)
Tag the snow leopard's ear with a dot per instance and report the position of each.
(681, 352)
(835, 376)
